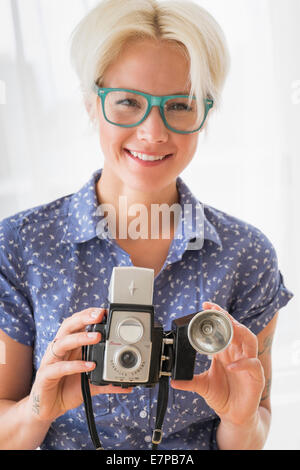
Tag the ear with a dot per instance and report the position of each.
(90, 107)
(93, 109)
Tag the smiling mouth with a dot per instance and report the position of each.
(148, 158)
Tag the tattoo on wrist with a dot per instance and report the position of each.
(267, 345)
(266, 349)
(36, 403)
(267, 390)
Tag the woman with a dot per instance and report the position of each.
(56, 260)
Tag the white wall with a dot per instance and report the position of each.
(248, 165)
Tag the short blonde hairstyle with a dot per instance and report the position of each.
(100, 37)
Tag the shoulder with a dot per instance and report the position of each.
(237, 235)
(47, 220)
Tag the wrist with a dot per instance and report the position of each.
(32, 415)
(244, 423)
(24, 432)
(249, 434)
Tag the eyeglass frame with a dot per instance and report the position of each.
(152, 101)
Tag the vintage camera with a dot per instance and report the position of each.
(135, 350)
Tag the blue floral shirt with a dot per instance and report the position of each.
(54, 262)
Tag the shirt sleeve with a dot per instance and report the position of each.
(16, 317)
(213, 444)
(261, 291)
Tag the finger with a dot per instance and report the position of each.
(60, 369)
(65, 344)
(246, 339)
(251, 365)
(78, 321)
(95, 390)
(212, 305)
(198, 384)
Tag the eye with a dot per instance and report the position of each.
(178, 107)
(128, 102)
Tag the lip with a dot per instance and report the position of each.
(154, 154)
(147, 163)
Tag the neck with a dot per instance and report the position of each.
(111, 190)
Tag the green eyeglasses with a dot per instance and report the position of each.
(129, 108)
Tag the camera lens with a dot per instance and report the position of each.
(128, 359)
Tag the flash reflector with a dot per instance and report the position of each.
(210, 332)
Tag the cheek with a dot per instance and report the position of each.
(112, 138)
(188, 145)
(105, 129)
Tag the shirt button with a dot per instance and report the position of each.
(148, 438)
(143, 414)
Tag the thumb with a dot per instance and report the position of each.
(211, 305)
(198, 384)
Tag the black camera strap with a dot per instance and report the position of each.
(88, 405)
(87, 399)
(162, 402)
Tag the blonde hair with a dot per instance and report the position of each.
(100, 37)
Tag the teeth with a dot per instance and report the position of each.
(144, 157)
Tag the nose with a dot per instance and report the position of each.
(153, 128)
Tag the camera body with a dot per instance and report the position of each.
(154, 353)
(134, 349)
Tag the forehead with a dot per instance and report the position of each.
(156, 67)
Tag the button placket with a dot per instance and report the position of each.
(143, 406)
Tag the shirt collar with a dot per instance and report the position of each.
(194, 225)
(84, 217)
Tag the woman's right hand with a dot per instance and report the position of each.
(57, 386)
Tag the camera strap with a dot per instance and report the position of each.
(86, 393)
(88, 405)
(162, 402)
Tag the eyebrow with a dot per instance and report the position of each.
(170, 94)
(182, 93)
(141, 91)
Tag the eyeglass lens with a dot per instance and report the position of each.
(126, 108)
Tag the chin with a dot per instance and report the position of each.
(146, 186)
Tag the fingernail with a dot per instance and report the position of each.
(95, 313)
(92, 335)
(89, 365)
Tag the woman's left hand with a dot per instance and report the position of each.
(234, 383)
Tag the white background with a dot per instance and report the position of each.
(247, 165)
